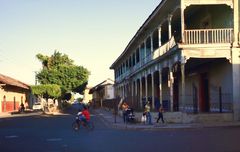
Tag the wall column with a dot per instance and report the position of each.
(153, 90)
(151, 38)
(159, 36)
(132, 86)
(170, 26)
(183, 86)
(136, 90)
(145, 51)
(140, 91)
(146, 87)
(236, 21)
(124, 90)
(170, 81)
(182, 21)
(236, 83)
(140, 55)
(160, 87)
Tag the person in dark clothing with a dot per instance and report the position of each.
(160, 114)
(22, 107)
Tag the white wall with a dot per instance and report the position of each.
(219, 75)
(109, 92)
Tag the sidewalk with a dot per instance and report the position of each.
(28, 113)
(109, 120)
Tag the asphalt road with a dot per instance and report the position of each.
(54, 134)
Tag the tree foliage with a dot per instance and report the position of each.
(47, 90)
(59, 69)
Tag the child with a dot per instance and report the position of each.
(144, 118)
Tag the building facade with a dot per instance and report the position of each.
(12, 94)
(186, 57)
(103, 92)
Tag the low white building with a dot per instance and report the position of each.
(102, 92)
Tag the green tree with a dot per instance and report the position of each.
(59, 69)
(46, 90)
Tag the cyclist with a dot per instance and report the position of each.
(84, 115)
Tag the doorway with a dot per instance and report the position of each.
(204, 93)
(176, 94)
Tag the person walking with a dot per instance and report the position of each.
(148, 114)
(124, 111)
(160, 114)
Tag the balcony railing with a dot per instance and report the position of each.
(208, 36)
(152, 56)
(164, 48)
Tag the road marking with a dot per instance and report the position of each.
(12, 136)
(54, 139)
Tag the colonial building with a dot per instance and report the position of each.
(186, 57)
(12, 94)
(102, 92)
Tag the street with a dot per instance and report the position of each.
(44, 133)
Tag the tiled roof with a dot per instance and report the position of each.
(13, 82)
(106, 82)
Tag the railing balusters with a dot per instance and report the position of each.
(206, 36)
(225, 36)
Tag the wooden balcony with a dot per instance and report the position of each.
(193, 38)
(208, 36)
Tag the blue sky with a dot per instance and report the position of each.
(92, 33)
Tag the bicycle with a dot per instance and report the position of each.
(77, 123)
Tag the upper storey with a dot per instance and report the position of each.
(181, 23)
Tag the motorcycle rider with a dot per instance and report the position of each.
(84, 115)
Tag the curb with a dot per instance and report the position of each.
(165, 126)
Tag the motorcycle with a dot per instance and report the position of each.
(78, 123)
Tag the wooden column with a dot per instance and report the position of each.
(170, 26)
(153, 93)
(183, 86)
(171, 88)
(160, 87)
(140, 95)
(146, 88)
(159, 36)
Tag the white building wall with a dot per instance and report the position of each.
(192, 79)
(165, 91)
(109, 92)
(219, 75)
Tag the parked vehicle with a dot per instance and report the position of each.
(37, 106)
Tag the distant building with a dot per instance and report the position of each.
(102, 92)
(186, 57)
(86, 96)
(12, 94)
